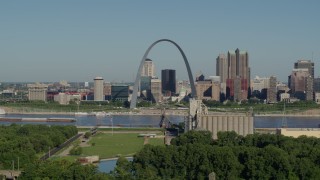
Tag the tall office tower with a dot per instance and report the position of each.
(242, 64)
(232, 65)
(148, 68)
(298, 81)
(305, 64)
(238, 68)
(37, 92)
(98, 89)
(168, 81)
(156, 95)
(222, 67)
(272, 90)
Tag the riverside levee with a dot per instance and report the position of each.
(241, 123)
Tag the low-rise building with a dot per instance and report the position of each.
(296, 132)
(285, 97)
(65, 98)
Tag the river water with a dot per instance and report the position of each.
(153, 120)
(109, 165)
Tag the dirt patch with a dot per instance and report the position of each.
(146, 140)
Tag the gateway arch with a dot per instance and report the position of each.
(136, 83)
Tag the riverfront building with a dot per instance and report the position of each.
(98, 89)
(65, 98)
(37, 92)
(199, 118)
(272, 90)
(242, 124)
(120, 92)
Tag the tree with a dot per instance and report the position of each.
(202, 137)
(123, 169)
(60, 170)
(76, 151)
(228, 138)
(87, 135)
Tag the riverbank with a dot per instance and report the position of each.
(152, 112)
(143, 111)
(37, 119)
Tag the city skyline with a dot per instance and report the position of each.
(78, 40)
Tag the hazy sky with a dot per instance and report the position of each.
(77, 40)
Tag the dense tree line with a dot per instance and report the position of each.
(62, 170)
(86, 106)
(27, 142)
(194, 155)
(259, 107)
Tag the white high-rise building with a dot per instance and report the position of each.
(156, 95)
(148, 68)
(259, 83)
(98, 89)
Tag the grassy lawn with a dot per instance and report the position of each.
(68, 158)
(107, 145)
(156, 141)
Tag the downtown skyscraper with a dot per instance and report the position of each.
(234, 70)
(168, 78)
(301, 80)
(148, 69)
(305, 64)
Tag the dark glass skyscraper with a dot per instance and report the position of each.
(168, 79)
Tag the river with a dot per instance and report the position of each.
(153, 120)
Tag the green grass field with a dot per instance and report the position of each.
(67, 158)
(107, 145)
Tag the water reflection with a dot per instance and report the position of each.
(109, 165)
